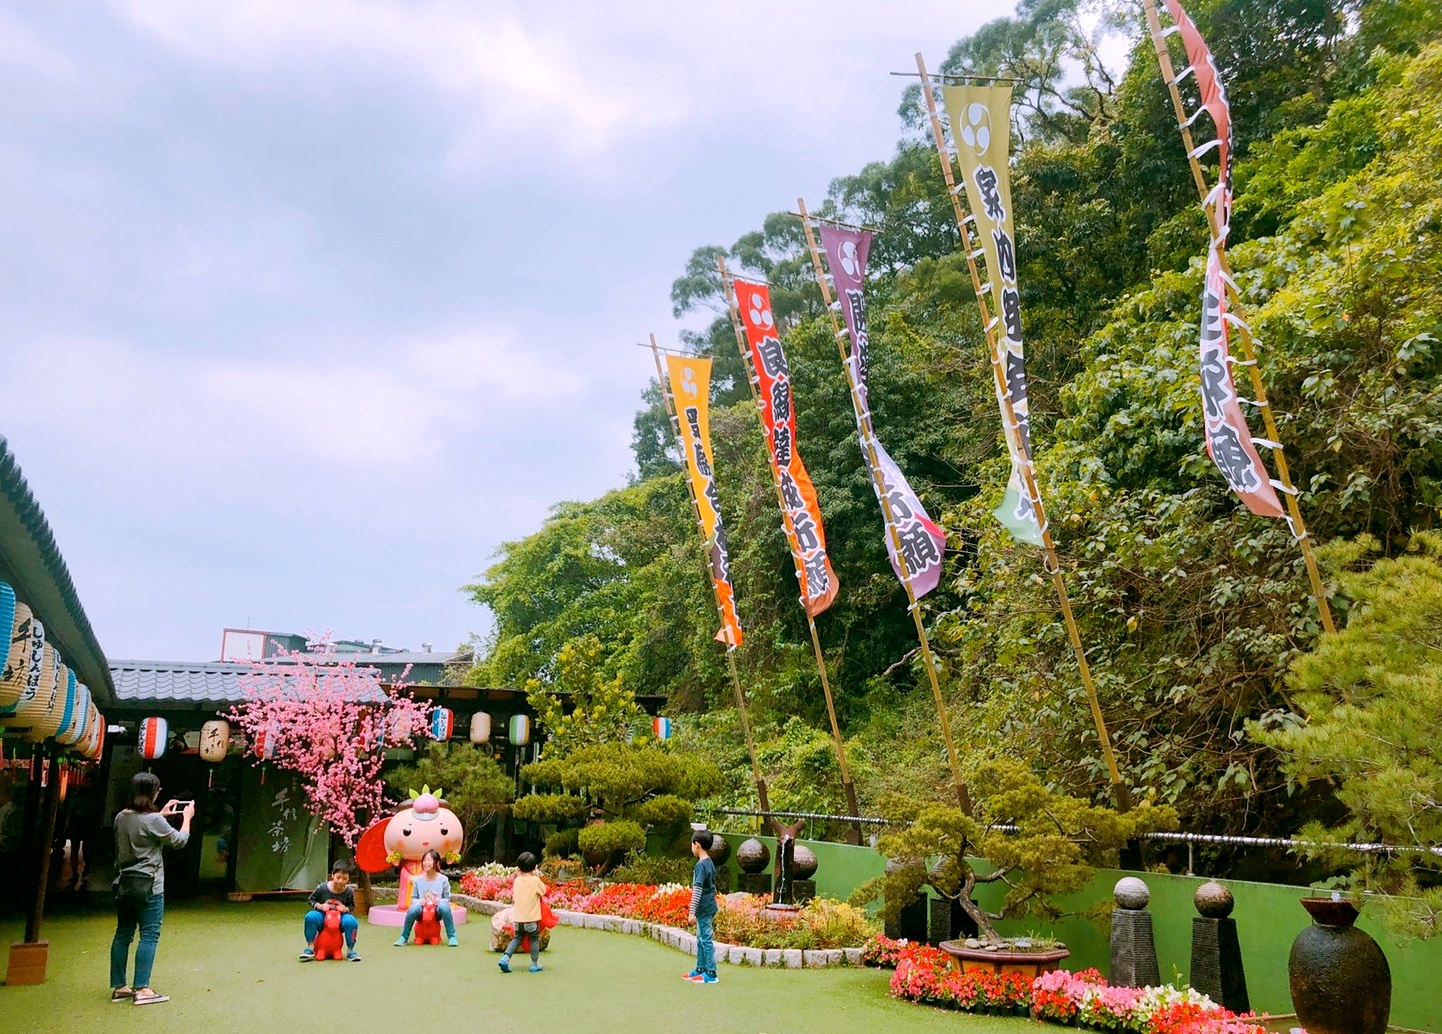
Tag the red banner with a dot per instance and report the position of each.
(1229, 439)
(800, 512)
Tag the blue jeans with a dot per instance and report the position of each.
(315, 919)
(531, 930)
(148, 920)
(443, 913)
(705, 945)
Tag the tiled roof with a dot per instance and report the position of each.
(31, 562)
(182, 683)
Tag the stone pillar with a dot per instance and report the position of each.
(1216, 953)
(1134, 952)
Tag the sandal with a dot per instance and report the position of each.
(122, 994)
(150, 998)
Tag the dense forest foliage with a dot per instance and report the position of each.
(1192, 610)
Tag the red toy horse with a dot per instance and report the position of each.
(329, 943)
(428, 927)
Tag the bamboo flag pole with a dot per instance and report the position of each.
(965, 224)
(846, 782)
(963, 796)
(669, 399)
(1244, 333)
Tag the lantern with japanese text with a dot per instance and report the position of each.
(266, 742)
(520, 730)
(62, 702)
(661, 727)
(152, 738)
(443, 721)
(25, 668)
(480, 727)
(214, 740)
(49, 706)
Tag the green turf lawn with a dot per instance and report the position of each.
(232, 967)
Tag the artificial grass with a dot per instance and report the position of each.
(232, 968)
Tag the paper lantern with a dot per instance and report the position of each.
(73, 735)
(399, 729)
(9, 615)
(24, 661)
(661, 727)
(94, 742)
(443, 720)
(62, 698)
(266, 741)
(152, 738)
(480, 727)
(214, 740)
(520, 730)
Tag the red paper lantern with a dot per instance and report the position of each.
(152, 738)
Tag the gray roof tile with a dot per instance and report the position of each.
(183, 683)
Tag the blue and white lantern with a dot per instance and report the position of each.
(661, 727)
(443, 720)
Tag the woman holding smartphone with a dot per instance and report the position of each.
(142, 832)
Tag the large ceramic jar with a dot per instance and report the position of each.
(1340, 980)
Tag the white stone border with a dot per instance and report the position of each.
(685, 940)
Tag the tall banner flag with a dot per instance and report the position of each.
(800, 511)
(981, 130)
(1229, 440)
(922, 541)
(690, 380)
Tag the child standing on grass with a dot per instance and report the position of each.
(703, 908)
(526, 894)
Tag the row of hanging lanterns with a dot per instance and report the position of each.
(39, 693)
(443, 721)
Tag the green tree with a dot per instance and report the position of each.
(1056, 841)
(1369, 724)
(477, 787)
(626, 789)
(578, 706)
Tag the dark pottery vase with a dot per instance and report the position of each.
(720, 850)
(753, 856)
(803, 863)
(1340, 980)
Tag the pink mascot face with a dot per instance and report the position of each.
(424, 826)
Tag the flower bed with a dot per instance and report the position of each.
(926, 974)
(741, 920)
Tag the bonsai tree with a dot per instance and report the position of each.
(479, 788)
(1370, 698)
(626, 790)
(1035, 841)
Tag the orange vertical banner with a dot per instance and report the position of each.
(690, 381)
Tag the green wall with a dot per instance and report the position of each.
(1268, 920)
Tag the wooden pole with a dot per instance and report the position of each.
(49, 809)
(666, 396)
(846, 782)
(962, 795)
(966, 224)
(1244, 333)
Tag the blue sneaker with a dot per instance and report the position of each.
(453, 943)
(535, 967)
(695, 974)
(709, 978)
(505, 964)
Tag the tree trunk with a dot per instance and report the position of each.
(971, 908)
(364, 895)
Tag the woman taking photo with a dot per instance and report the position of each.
(141, 833)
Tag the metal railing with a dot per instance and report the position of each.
(1190, 839)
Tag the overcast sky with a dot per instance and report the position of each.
(306, 307)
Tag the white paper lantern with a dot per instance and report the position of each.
(480, 727)
(214, 740)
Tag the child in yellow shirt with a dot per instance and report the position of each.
(526, 894)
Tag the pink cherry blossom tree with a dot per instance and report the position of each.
(327, 719)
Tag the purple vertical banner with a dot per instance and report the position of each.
(922, 542)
